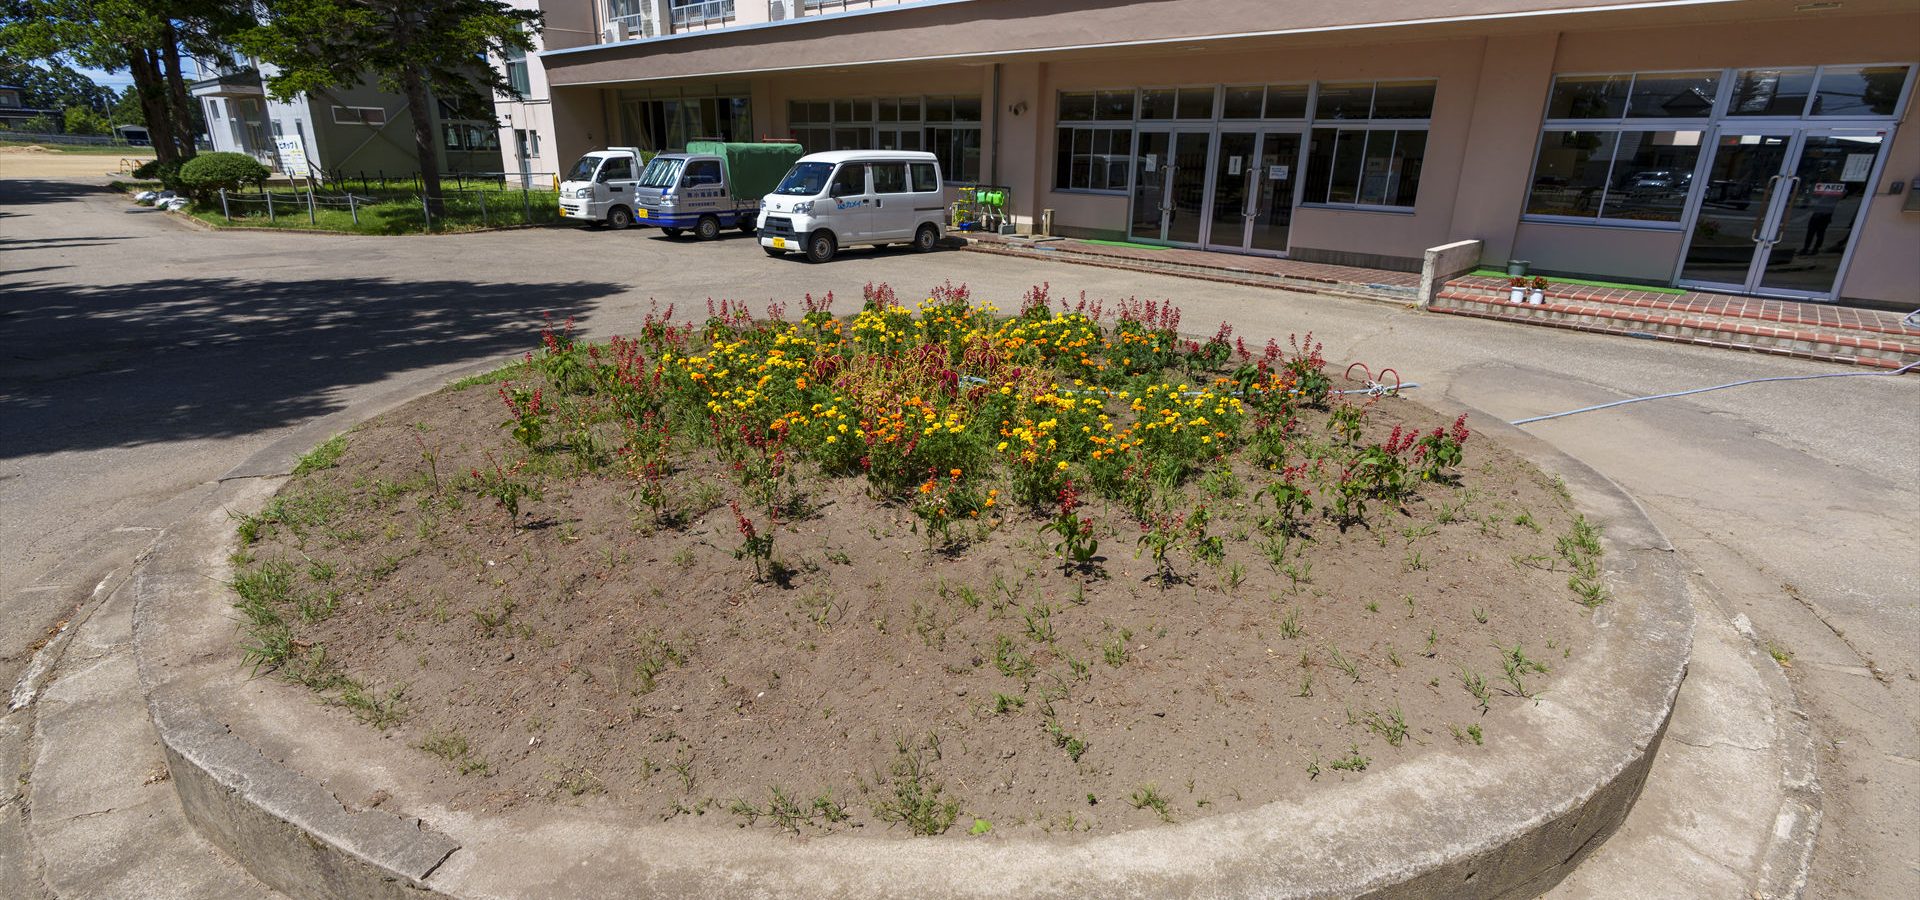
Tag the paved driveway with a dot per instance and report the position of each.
(143, 356)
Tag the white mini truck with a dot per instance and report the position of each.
(599, 189)
(847, 197)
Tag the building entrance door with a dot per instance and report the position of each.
(1169, 186)
(1251, 195)
(1779, 211)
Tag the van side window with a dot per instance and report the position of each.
(924, 178)
(889, 178)
(849, 181)
(618, 168)
(702, 172)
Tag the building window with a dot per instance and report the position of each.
(1373, 158)
(1092, 159)
(659, 125)
(517, 71)
(947, 126)
(1627, 175)
(359, 115)
(1858, 90)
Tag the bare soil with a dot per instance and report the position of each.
(583, 654)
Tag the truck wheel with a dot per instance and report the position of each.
(707, 228)
(821, 246)
(925, 238)
(745, 225)
(670, 232)
(774, 252)
(619, 217)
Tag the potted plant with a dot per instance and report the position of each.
(1538, 294)
(1517, 289)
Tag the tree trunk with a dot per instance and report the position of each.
(180, 114)
(421, 113)
(151, 88)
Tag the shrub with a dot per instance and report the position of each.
(204, 175)
(167, 173)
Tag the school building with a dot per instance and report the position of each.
(1743, 146)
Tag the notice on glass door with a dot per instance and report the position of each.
(1153, 162)
(1234, 165)
(1857, 167)
(1277, 173)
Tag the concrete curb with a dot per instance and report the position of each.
(1223, 276)
(1509, 821)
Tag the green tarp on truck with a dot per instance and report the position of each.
(753, 170)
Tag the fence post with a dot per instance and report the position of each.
(311, 218)
(351, 209)
(223, 206)
(270, 207)
(483, 208)
(426, 212)
(526, 203)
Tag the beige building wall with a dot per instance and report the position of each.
(1494, 62)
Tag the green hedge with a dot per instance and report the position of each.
(206, 174)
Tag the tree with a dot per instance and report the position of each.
(52, 86)
(419, 49)
(150, 39)
(83, 121)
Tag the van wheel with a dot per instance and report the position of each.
(670, 232)
(707, 228)
(619, 217)
(821, 247)
(773, 252)
(925, 239)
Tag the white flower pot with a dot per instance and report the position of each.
(1516, 295)
(1536, 297)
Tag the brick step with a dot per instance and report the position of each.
(1778, 313)
(1827, 344)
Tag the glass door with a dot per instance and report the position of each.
(1779, 211)
(1169, 186)
(1233, 171)
(1736, 206)
(1273, 181)
(1820, 205)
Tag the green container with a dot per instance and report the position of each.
(753, 169)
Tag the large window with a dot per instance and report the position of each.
(1088, 155)
(666, 120)
(1373, 157)
(946, 125)
(1624, 148)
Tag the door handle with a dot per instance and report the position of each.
(1166, 188)
(879, 202)
(1766, 206)
(1780, 226)
(1251, 207)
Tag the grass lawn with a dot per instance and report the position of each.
(382, 215)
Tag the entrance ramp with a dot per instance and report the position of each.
(1818, 331)
(1231, 268)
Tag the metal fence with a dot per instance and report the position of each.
(368, 182)
(393, 212)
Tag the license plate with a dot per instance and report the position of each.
(643, 212)
(779, 243)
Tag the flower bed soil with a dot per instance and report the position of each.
(583, 651)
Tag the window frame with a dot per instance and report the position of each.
(1313, 123)
(361, 117)
(1719, 118)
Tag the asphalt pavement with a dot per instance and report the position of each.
(144, 356)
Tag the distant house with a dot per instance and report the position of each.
(13, 108)
(347, 131)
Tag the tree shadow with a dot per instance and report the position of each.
(30, 191)
(123, 365)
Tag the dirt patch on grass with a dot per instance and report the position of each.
(588, 649)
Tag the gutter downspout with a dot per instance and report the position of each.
(993, 169)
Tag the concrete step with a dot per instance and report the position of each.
(1832, 344)
(101, 818)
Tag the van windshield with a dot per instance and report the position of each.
(805, 179)
(583, 170)
(662, 172)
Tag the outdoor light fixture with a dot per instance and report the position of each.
(1821, 6)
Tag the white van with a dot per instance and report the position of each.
(847, 197)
